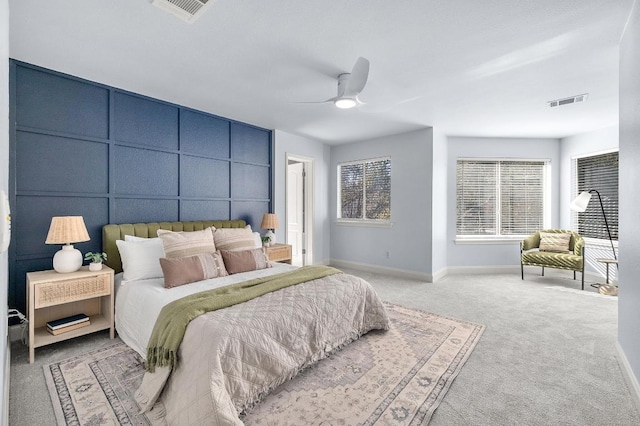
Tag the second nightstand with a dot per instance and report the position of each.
(279, 253)
(51, 296)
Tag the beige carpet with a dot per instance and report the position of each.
(396, 377)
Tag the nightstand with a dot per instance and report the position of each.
(51, 296)
(279, 253)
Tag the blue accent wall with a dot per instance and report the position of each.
(111, 156)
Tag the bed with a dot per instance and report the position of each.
(231, 358)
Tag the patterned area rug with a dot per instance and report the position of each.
(97, 388)
(396, 377)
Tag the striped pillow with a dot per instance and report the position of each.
(555, 242)
(185, 244)
(185, 270)
(234, 238)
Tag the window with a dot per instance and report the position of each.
(364, 190)
(599, 172)
(500, 197)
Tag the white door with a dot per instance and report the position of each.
(295, 212)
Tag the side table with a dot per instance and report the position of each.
(607, 289)
(51, 296)
(607, 262)
(279, 253)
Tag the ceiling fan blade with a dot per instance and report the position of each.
(358, 77)
(330, 100)
(349, 86)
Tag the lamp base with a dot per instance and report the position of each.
(68, 259)
(271, 236)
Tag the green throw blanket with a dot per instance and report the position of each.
(174, 318)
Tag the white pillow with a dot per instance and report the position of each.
(141, 259)
(134, 238)
(258, 239)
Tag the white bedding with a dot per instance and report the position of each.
(138, 303)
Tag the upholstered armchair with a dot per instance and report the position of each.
(553, 254)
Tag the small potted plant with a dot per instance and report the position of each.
(96, 260)
(266, 241)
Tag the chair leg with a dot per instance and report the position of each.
(543, 271)
(522, 270)
(582, 278)
(574, 275)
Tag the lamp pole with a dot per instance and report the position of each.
(606, 224)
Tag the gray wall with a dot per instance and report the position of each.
(439, 209)
(286, 143)
(495, 254)
(4, 180)
(629, 301)
(409, 238)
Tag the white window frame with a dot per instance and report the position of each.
(515, 238)
(360, 221)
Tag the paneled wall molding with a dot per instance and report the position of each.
(112, 156)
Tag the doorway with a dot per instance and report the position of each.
(299, 201)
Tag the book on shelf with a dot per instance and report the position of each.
(67, 321)
(69, 327)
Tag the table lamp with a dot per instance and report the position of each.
(67, 230)
(270, 222)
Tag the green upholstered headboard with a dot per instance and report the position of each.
(111, 233)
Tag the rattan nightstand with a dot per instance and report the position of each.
(52, 296)
(279, 253)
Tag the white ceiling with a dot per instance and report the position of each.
(466, 67)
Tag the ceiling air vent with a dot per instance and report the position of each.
(187, 10)
(567, 101)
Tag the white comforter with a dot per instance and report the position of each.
(138, 303)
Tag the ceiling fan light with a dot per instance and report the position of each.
(345, 103)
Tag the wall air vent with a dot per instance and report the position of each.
(187, 10)
(567, 101)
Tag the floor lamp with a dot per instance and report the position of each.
(580, 204)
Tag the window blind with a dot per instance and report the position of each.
(499, 197)
(365, 190)
(476, 196)
(351, 191)
(599, 172)
(522, 197)
(378, 189)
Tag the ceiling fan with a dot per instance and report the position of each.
(350, 85)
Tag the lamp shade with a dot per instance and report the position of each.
(581, 202)
(67, 230)
(269, 221)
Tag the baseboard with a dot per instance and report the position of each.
(629, 377)
(512, 269)
(450, 270)
(7, 381)
(437, 276)
(401, 273)
(458, 270)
